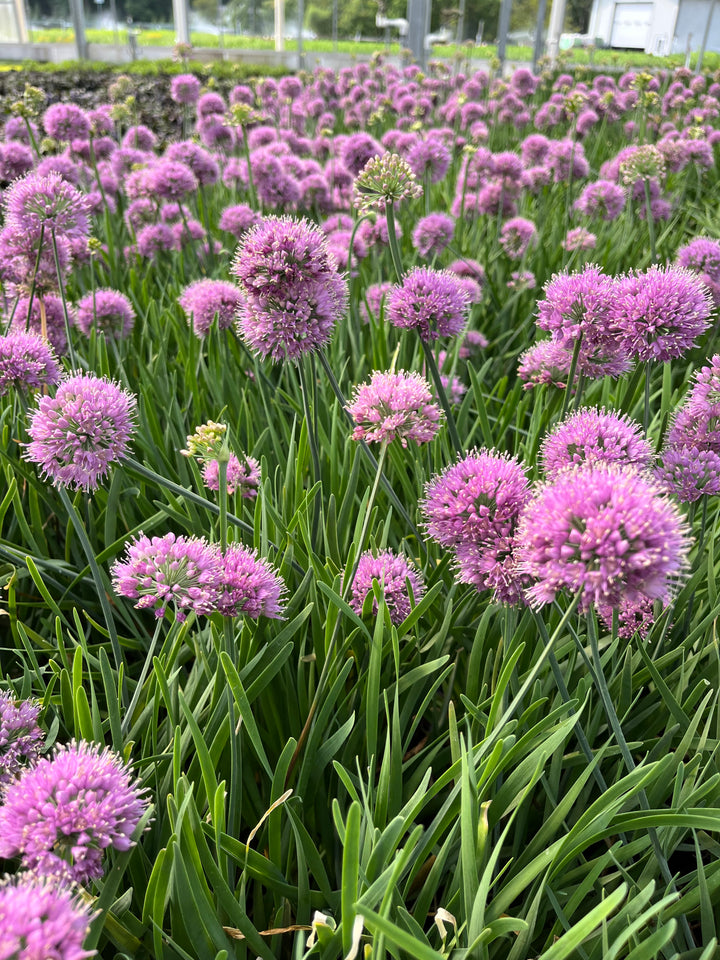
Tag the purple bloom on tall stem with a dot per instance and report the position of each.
(66, 121)
(433, 233)
(702, 256)
(249, 585)
(697, 422)
(516, 237)
(690, 472)
(61, 814)
(593, 436)
(26, 362)
(204, 300)
(547, 361)
(183, 571)
(243, 476)
(429, 301)
(292, 292)
(391, 570)
(604, 530)
(29, 318)
(476, 499)
(661, 311)
(50, 204)
(603, 199)
(185, 89)
(41, 920)
(78, 434)
(579, 239)
(238, 219)
(394, 406)
(20, 736)
(108, 310)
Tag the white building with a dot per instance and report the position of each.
(655, 26)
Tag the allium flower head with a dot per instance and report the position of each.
(109, 310)
(429, 301)
(26, 362)
(204, 300)
(433, 233)
(292, 292)
(661, 312)
(185, 89)
(697, 422)
(66, 121)
(702, 256)
(383, 180)
(243, 476)
(249, 585)
(431, 157)
(238, 219)
(80, 432)
(604, 530)
(62, 813)
(391, 570)
(546, 361)
(170, 179)
(645, 162)
(36, 203)
(183, 571)
(20, 735)
(516, 237)
(357, 149)
(492, 565)
(690, 473)
(476, 499)
(42, 921)
(394, 406)
(603, 199)
(579, 239)
(592, 436)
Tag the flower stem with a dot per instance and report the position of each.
(442, 396)
(650, 221)
(66, 315)
(346, 587)
(571, 377)
(392, 241)
(127, 719)
(387, 486)
(630, 765)
(312, 439)
(99, 585)
(646, 413)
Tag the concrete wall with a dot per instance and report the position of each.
(672, 22)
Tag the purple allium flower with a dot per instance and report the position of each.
(429, 301)
(661, 312)
(203, 165)
(183, 571)
(476, 499)
(26, 362)
(433, 233)
(292, 292)
(546, 361)
(566, 160)
(40, 920)
(578, 238)
(394, 406)
(109, 310)
(430, 157)
(702, 256)
(584, 306)
(522, 280)
(492, 565)
(604, 530)
(516, 237)
(592, 436)
(697, 422)
(171, 180)
(185, 89)
(603, 199)
(690, 472)
(80, 432)
(15, 160)
(62, 813)
(357, 149)
(203, 300)
(391, 570)
(210, 103)
(375, 296)
(153, 239)
(249, 585)
(140, 137)
(238, 219)
(36, 203)
(534, 149)
(66, 121)
(242, 475)
(20, 735)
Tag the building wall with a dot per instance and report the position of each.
(692, 19)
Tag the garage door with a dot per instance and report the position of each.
(631, 25)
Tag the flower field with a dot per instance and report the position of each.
(360, 458)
